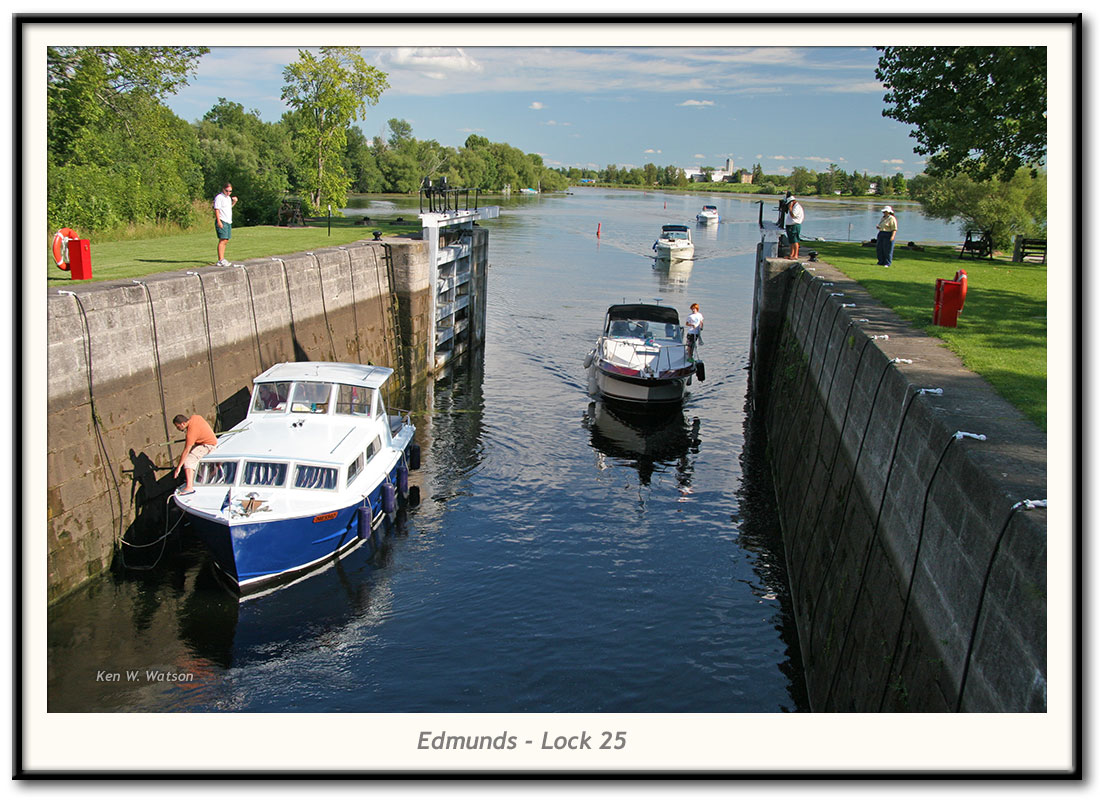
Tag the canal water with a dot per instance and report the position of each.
(563, 558)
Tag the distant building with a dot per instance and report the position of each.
(726, 175)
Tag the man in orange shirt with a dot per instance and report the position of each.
(200, 441)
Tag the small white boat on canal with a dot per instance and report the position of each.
(674, 242)
(641, 358)
(708, 216)
(311, 471)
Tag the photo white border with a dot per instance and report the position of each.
(778, 744)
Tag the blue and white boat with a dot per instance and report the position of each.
(708, 216)
(308, 475)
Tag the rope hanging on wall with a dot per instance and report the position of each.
(110, 478)
(255, 323)
(210, 354)
(324, 308)
(354, 307)
(160, 375)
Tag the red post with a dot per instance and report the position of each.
(80, 259)
(598, 229)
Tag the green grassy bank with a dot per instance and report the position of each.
(135, 258)
(1002, 331)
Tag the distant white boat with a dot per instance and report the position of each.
(708, 216)
(674, 242)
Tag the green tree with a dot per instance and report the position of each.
(898, 185)
(1006, 208)
(976, 110)
(327, 92)
(255, 156)
(116, 156)
(802, 180)
(828, 182)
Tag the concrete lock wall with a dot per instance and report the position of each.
(917, 585)
(125, 357)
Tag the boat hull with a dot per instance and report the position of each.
(258, 555)
(674, 253)
(638, 391)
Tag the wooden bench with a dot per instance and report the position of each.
(978, 244)
(1029, 248)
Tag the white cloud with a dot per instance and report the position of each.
(892, 161)
(434, 62)
(537, 106)
(651, 151)
(697, 103)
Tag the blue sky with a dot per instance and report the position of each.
(781, 107)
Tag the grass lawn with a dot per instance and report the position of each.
(1002, 330)
(137, 258)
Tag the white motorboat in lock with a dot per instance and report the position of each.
(641, 357)
(674, 242)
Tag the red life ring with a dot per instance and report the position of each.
(61, 241)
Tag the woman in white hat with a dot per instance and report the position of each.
(887, 232)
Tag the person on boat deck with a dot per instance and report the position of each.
(200, 441)
(795, 215)
(694, 326)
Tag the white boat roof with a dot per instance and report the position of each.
(318, 439)
(370, 377)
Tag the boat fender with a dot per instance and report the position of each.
(363, 514)
(402, 480)
(588, 359)
(389, 497)
(412, 455)
(700, 370)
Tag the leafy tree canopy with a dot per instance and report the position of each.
(327, 92)
(980, 111)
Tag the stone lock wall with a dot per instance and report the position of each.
(918, 579)
(125, 357)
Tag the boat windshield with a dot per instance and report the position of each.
(674, 235)
(216, 473)
(353, 400)
(271, 396)
(644, 329)
(310, 397)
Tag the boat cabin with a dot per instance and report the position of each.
(675, 232)
(310, 426)
(642, 321)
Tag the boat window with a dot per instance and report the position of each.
(216, 473)
(310, 397)
(353, 400)
(309, 477)
(271, 396)
(379, 406)
(263, 473)
(354, 468)
(374, 447)
(645, 329)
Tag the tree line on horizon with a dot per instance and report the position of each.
(119, 158)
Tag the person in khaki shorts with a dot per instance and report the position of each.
(200, 441)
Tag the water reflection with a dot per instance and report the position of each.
(673, 275)
(645, 441)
